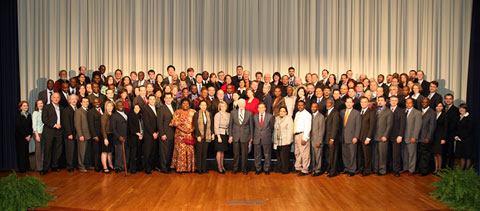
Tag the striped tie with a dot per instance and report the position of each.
(241, 117)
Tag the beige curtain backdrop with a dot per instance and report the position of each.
(367, 36)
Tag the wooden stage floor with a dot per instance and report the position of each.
(213, 191)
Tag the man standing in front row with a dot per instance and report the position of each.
(263, 123)
(241, 130)
(318, 130)
(301, 129)
(52, 134)
(412, 133)
(352, 123)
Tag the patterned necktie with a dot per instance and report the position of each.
(346, 118)
(241, 117)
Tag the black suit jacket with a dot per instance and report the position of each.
(398, 127)
(68, 123)
(369, 120)
(435, 100)
(452, 117)
(441, 129)
(425, 88)
(149, 121)
(94, 123)
(332, 127)
(164, 117)
(134, 124)
(43, 96)
(49, 119)
(63, 100)
(118, 126)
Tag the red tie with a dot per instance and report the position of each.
(145, 99)
(261, 120)
(99, 111)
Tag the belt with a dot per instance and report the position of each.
(298, 133)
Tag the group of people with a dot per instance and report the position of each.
(398, 123)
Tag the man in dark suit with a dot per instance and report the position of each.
(190, 77)
(396, 134)
(45, 95)
(141, 99)
(452, 117)
(382, 132)
(367, 128)
(52, 134)
(64, 93)
(241, 134)
(69, 132)
(263, 125)
(94, 114)
(412, 134)
(118, 124)
(238, 77)
(429, 123)
(332, 136)
(320, 100)
(316, 138)
(83, 133)
(96, 94)
(166, 133)
(434, 97)
(352, 123)
(151, 133)
(423, 83)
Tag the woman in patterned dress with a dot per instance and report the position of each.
(183, 159)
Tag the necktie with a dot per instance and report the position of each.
(170, 108)
(423, 112)
(241, 117)
(99, 111)
(154, 111)
(48, 97)
(346, 118)
(407, 112)
(363, 111)
(145, 99)
(261, 120)
(393, 109)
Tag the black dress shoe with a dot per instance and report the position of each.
(97, 170)
(364, 174)
(245, 172)
(397, 174)
(55, 169)
(70, 170)
(331, 175)
(257, 172)
(267, 173)
(301, 174)
(316, 174)
(165, 171)
(380, 174)
(423, 174)
(43, 172)
(132, 171)
(234, 172)
(148, 172)
(351, 174)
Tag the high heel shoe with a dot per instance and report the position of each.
(220, 172)
(106, 171)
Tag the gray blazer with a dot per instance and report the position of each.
(429, 122)
(81, 124)
(266, 131)
(354, 124)
(318, 129)
(384, 124)
(283, 133)
(241, 132)
(413, 125)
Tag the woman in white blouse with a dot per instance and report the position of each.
(221, 122)
(37, 126)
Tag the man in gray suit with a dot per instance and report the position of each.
(382, 132)
(263, 124)
(429, 122)
(83, 132)
(412, 132)
(352, 123)
(316, 137)
(241, 134)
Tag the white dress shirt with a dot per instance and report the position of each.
(303, 123)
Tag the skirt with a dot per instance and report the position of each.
(221, 147)
(108, 148)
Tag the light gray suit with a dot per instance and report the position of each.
(81, 127)
(262, 140)
(412, 130)
(317, 132)
(350, 131)
(382, 129)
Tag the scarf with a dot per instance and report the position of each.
(201, 126)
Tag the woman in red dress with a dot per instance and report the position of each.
(252, 102)
(183, 159)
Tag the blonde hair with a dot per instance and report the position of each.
(107, 103)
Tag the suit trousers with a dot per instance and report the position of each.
(267, 153)
(148, 151)
(302, 154)
(317, 153)
(332, 152)
(381, 152)
(364, 157)
(397, 156)
(201, 149)
(119, 154)
(240, 149)
(39, 153)
(165, 153)
(409, 152)
(349, 155)
(92, 153)
(53, 149)
(424, 156)
(70, 152)
(132, 142)
(22, 154)
(82, 148)
(283, 161)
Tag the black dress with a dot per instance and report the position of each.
(23, 128)
(221, 147)
(440, 134)
(465, 148)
